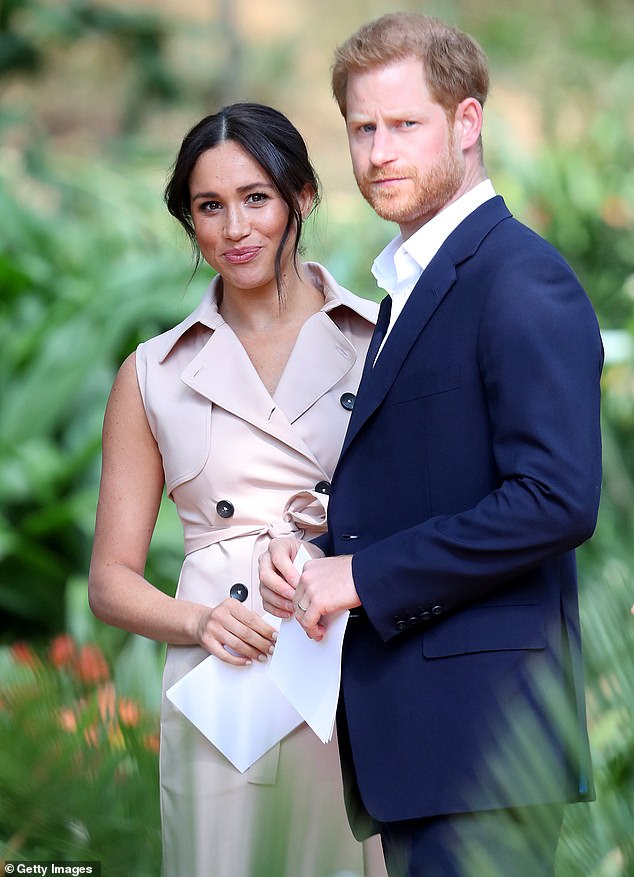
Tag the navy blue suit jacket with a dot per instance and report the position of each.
(470, 471)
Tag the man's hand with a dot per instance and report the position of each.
(326, 585)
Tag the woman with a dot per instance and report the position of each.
(240, 412)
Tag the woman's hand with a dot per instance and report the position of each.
(235, 634)
(279, 577)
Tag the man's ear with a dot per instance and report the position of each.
(468, 122)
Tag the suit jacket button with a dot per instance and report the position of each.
(401, 624)
(239, 592)
(225, 508)
(412, 621)
(323, 487)
(347, 401)
(425, 616)
(436, 610)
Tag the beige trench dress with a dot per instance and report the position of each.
(241, 467)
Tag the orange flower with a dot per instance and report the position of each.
(63, 650)
(24, 654)
(67, 719)
(91, 665)
(151, 742)
(129, 712)
(91, 735)
(107, 702)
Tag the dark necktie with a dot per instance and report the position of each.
(382, 323)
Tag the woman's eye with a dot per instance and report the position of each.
(257, 198)
(210, 206)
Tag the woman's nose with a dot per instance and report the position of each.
(236, 224)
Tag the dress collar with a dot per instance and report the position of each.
(207, 313)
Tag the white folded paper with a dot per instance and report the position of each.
(244, 711)
(309, 672)
(239, 709)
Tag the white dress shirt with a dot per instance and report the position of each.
(398, 267)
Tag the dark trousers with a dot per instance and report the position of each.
(496, 843)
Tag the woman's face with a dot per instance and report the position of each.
(239, 217)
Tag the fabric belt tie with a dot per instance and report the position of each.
(304, 516)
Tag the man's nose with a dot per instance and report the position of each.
(383, 150)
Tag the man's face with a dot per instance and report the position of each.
(405, 156)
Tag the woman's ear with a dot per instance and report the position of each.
(468, 122)
(306, 199)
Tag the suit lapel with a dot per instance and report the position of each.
(430, 290)
(433, 285)
(379, 332)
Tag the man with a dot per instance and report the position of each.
(470, 471)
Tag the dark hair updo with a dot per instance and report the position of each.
(269, 138)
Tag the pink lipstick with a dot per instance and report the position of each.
(241, 255)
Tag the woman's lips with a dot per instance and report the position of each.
(240, 255)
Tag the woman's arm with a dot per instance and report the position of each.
(130, 493)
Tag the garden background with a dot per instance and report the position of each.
(95, 96)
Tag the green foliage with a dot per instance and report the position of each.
(598, 836)
(78, 762)
(83, 281)
(31, 31)
(580, 196)
(597, 839)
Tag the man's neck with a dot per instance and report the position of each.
(474, 175)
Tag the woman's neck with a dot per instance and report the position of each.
(264, 310)
(268, 328)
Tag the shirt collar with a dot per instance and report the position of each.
(398, 267)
